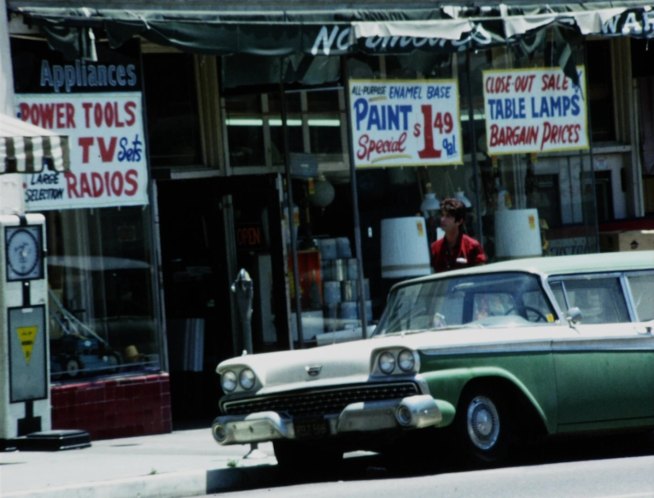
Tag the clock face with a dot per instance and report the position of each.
(23, 253)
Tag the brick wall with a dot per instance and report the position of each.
(110, 408)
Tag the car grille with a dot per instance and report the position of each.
(324, 401)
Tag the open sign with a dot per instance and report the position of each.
(250, 236)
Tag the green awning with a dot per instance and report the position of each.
(273, 28)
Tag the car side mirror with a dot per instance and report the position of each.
(573, 315)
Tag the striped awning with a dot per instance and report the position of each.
(25, 148)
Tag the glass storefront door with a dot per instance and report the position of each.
(210, 229)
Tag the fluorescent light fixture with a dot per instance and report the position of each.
(477, 116)
(334, 123)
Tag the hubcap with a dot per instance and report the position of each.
(483, 422)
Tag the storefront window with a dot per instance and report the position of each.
(174, 137)
(555, 189)
(101, 303)
(600, 90)
(314, 122)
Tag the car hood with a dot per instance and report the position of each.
(351, 362)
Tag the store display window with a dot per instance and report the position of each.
(101, 300)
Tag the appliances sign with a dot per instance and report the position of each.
(405, 123)
(107, 152)
(534, 110)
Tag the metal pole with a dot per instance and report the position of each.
(592, 165)
(289, 209)
(355, 203)
(473, 135)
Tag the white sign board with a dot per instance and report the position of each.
(107, 150)
(405, 123)
(534, 110)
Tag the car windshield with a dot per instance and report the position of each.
(497, 299)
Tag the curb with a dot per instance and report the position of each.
(170, 485)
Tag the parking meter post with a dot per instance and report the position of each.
(243, 289)
(25, 407)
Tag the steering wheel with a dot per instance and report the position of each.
(529, 309)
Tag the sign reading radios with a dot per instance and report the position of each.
(405, 123)
(107, 150)
(534, 110)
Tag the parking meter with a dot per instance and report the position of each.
(24, 359)
(25, 411)
(243, 288)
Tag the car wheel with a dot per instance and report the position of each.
(312, 457)
(484, 423)
(73, 367)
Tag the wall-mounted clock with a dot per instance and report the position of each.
(23, 252)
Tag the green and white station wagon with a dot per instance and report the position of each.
(487, 356)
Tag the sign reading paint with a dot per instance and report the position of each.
(405, 123)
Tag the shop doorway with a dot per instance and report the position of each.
(209, 229)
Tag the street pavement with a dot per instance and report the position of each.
(179, 464)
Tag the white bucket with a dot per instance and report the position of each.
(331, 292)
(517, 233)
(404, 247)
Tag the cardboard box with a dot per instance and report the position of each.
(630, 240)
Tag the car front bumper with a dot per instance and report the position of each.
(411, 412)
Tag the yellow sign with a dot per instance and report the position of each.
(27, 337)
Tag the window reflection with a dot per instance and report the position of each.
(102, 318)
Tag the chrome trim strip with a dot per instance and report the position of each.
(483, 349)
(618, 345)
(644, 343)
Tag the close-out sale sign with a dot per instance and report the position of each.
(534, 110)
(405, 123)
(107, 153)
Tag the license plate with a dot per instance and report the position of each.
(310, 427)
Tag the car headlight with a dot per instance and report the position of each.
(386, 362)
(247, 379)
(406, 360)
(228, 381)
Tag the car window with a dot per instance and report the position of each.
(408, 310)
(448, 302)
(559, 295)
(492, 304)
(600, 298)
(642, 291)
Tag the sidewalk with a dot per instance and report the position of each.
(179, 464)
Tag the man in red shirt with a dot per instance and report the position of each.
(455, 249)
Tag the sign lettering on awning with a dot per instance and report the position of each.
(282, 30)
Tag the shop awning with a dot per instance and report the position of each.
(278, 28)
(24, 148)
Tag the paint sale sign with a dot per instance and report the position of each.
(405, 123)
(108, 164)
(534, 110)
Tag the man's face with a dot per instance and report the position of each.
(448, 223)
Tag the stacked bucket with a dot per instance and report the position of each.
(340, 272)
